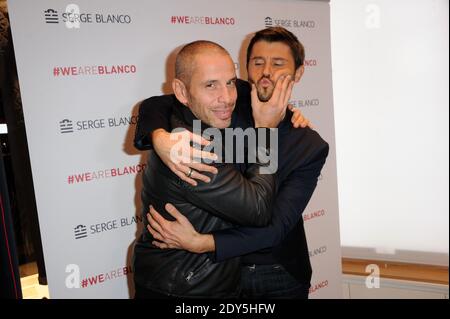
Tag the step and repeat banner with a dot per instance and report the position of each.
(84, 67)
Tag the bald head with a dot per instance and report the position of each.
(205, 82)
(185, 62)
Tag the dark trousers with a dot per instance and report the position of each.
(271, 282)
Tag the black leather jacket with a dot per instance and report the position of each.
(230, 197)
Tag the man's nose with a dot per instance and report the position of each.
(267, 71)
(226, 95)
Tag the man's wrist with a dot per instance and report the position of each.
(155, 133)
(205, 243)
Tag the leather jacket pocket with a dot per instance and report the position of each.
(197, 272)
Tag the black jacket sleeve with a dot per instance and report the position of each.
(291, 200)
(154, 113)
(243, 199)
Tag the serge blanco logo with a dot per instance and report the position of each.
(288, 23)
(73, 17)
(51, 16)
(66, 126)
(80, 231)
(69, 126)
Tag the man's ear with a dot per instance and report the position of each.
(299, 73)
(180, 90)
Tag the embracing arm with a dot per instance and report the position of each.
(154, 113)
(293, 197)
(241, 198)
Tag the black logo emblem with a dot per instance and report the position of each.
(51, 16)
(66, 126)
(80, 232)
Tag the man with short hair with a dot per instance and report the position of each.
(204, 89)
(275, 258)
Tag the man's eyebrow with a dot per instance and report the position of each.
(210, 81)
(275, 58)
(279, 59)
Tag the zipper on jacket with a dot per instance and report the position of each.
(189, 276)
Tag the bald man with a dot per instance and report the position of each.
(204, 90)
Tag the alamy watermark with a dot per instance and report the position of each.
(373, 279)
(259, 147)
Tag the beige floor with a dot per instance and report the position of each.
(30, 283)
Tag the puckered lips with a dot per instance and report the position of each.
(265, 83)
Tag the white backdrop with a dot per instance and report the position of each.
(81, 81)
